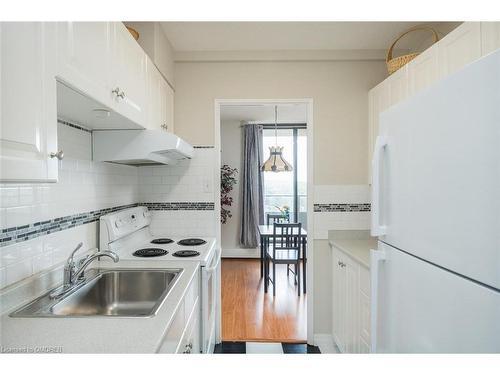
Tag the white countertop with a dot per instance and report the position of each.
(101, 334)
(358, 249)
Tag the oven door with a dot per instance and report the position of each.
(209, 302)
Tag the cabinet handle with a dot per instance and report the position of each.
(118, 93)
(341, 264)
(164, 126)
(59, 155)
(188, 349)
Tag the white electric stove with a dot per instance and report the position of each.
(128, 234)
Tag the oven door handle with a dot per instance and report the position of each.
(218, 255)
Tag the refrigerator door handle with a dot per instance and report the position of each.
(376, 257)
(376, 228)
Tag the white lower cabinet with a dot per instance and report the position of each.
(183, 333)
(28, 116)
(351, 304)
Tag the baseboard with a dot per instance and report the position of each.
(240, 253)
(325, 343)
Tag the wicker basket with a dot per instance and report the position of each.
(134, 32)
(395, 63)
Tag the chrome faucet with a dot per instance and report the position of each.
(74, 274)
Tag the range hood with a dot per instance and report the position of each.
(139, 147)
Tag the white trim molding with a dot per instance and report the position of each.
(241, 253)
(310, 186)
(283, 55)
(325, 343)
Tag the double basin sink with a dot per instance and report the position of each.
(108, 292)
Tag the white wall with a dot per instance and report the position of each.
(339, 90)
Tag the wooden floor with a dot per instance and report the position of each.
(249, 314)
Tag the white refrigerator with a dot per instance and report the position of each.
(435, 277)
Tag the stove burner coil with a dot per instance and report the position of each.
(160, 241)
(150, 252)
(192, 242)
(186, 253)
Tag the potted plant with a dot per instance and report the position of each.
(227, 182)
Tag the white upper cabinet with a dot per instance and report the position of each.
(154, 120)
(160, 100)
(490, 37)
(128, 72)
(398, 86)
(423, 71)
(84, 57)
(459, 48)
(102, 61)
(28, 118)
(169, 109)
(467, 43)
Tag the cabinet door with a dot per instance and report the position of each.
(28, 118)
(129, 76)
(169, 106)
(364, 308)
(338, 308)
(423, 71)
(490, 37)
(351, 271)
(84, 58)
(154, 97)
(459, 48)
(190, 343)
(398, 86)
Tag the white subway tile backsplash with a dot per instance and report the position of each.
(340, 194)
(85, 186)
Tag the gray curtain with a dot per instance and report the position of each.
(252, 207)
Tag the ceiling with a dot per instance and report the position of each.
(247, 36)
(264, 114)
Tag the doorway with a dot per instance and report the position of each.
(248, 313)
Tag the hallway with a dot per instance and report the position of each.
(248, 314)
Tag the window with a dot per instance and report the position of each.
(287, 188)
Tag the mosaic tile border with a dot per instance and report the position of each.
(179, 206)
(342, 207)
(27, 232)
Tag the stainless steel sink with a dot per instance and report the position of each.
(111, 292)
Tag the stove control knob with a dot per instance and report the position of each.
(119, 223)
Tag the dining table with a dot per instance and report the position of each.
(266, 233)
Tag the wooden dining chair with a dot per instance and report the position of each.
(275, 218)
(283, 249)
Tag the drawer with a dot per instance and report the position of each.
(174, 332)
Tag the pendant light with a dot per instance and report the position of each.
(276, 162)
